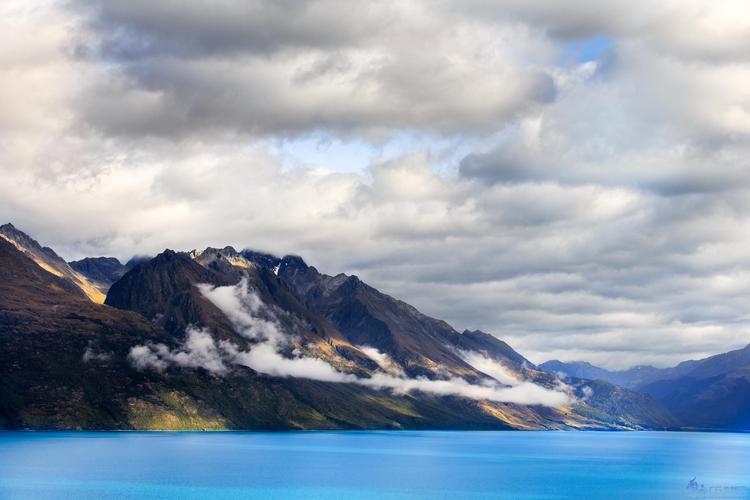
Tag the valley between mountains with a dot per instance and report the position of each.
(227, 339)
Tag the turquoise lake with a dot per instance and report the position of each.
(346, 465)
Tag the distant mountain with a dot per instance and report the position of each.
(712, 366)
(47, 259)
(104, 270)
(630, 378)
(277, 345)
(710, 393)
(720, 402)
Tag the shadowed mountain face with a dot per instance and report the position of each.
(711, 393)
(720, 402)
(366, 316)
(103, 270)
(151, 287)
(354, 357)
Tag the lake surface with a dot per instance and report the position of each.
(348, 465)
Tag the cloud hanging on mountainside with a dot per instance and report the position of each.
(243, 307)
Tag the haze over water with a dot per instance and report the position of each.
(408, 464)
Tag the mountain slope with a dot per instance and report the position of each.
(47, 259)
(425, 346)
(366, 316)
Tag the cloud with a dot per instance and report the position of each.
(199, 350)
(587, 392)
(243, 307)
(265, 68)
(578, 207)
(490, 367)
(264, 358)
(89, 354)
(698, 30)
(384, 361)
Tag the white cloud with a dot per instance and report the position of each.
(90, 354)
(491, 367)
(603, 213)
(384, 361)
(199, 350)
(243, 307)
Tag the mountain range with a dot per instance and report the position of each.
(709, 393)
(227, 339)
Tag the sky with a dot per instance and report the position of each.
(573, 177)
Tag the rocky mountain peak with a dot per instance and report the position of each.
(261, 258)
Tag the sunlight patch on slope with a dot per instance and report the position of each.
(90, 290)
(39, 262)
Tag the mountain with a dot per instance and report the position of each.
(364, 316)
(709, 393)
(711, 366)
(630, 378)
(47, 259)
(151, 286)
(424, 346)
(245, 340)
(104, 270)
(47, 327)
(717, 402)
(64, 365)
